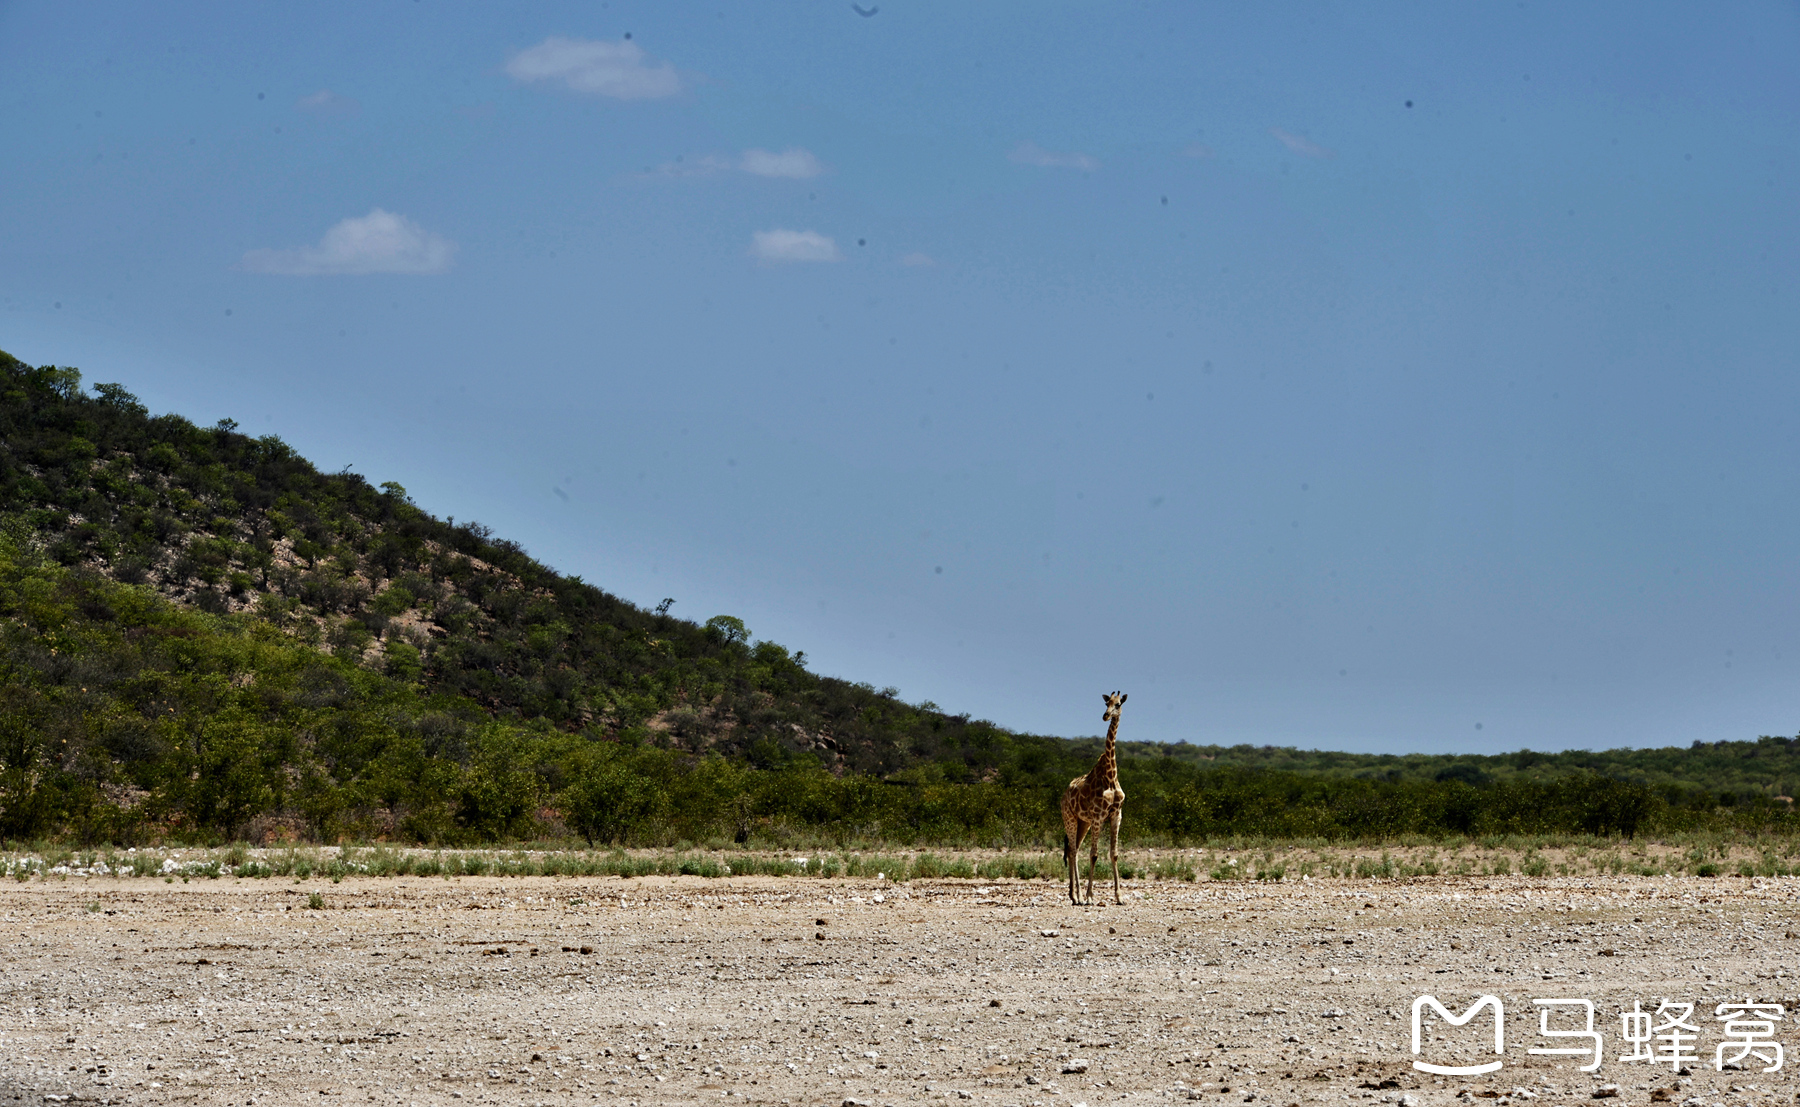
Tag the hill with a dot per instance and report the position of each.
(228, 524)
(206, 636)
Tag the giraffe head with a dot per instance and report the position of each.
(1114, 701)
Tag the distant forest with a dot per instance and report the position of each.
(204, 638)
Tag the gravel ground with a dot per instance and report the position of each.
(807, 991)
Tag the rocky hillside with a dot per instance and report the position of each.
(203, 636)
(222, 522)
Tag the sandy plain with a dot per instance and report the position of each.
(805, 991)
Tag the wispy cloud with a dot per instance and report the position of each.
(1030, 153)
(1301, 146)
(327, 102)
(379, 242)
(620, 70)
(916, 259)
(792, 162)
(1196, 150)
(706, 166)
(785, 245)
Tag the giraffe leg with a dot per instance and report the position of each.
(1093, 861)
(1118, 817)
(1068, 861)
(1071, 848)
(1073, 829)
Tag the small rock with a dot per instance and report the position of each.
(1048, 933)
(1409, 1100)
(993, 1003)
(1606, 1091)
(848, 1102)
(1075, 1064)
(1029, 1079)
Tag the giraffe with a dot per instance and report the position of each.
(1091, 801)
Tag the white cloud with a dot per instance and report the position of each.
(792, 162)
(379, 242)
(916, 258)
(706, 166)
(327, 102)
(1301, 146)
(1030, 153)
(784, 245)
(616, 69)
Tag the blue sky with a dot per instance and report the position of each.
(1393, 378)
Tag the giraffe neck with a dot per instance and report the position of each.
(1107, 768)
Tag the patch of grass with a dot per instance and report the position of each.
(1173, 868)
(1369, 869)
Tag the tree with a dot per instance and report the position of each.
(114, 395)
(728, 629)
(609, 798)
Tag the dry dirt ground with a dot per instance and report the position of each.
(807, 991)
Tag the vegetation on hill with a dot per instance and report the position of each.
(204, 637)
(1702, 774)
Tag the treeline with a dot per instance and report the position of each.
(1702, 774)
(202, 637)
(229, 524)
(124, 718)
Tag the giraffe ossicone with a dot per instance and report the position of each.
(1093, 801)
